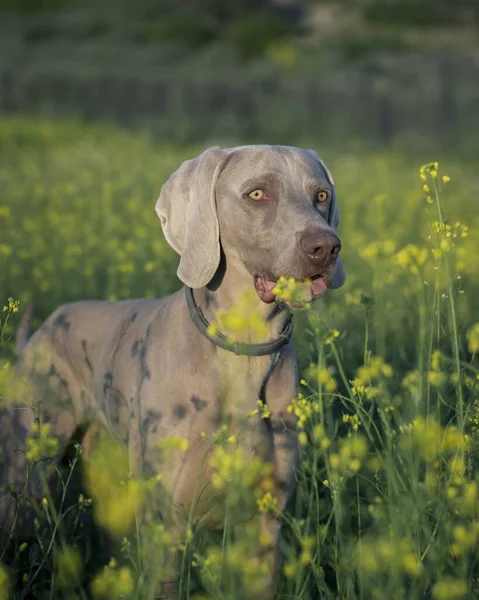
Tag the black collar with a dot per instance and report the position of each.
(244, 349)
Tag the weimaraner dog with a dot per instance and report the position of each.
(144, 369)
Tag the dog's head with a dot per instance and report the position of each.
(273, 208)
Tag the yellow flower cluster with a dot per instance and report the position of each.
(293, 566)
(352, 452)
(462, 494)
(4, 582)
(116, 496)
(241, 318)
(430, 169)
(319, 437)
(293, 292)
(447, 235)
(450, 588)
(459, 230)
(303, 409)
(387, 555)
(240, 561)
(40, 443)
(169, 445)
(333, 335)
(113, 582)
(12, 306)
(323, 376)
(231, 466)
(352, 420)
(69, 567)
(436, 377)
(473, 338)
(412, 257)
(464, 538)
(369, 377)
(268, 503)
(431, 440)
(263, 410)
(378, 249)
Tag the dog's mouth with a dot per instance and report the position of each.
(265, 288)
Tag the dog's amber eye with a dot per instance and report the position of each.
(256, 195)
(323, 195)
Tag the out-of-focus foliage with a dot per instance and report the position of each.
(77, 213)
(422, 13)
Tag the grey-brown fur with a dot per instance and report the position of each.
(141, 368)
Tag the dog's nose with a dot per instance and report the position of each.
(320, 247)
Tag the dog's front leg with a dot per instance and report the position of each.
(280, 391)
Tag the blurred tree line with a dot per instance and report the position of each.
(250, 26)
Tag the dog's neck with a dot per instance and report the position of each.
(237, 290)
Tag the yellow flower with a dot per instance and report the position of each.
(13, 305)
(436, 378)
(446, 178)
(450, 588)
(355, 465)
(268, 503)
(323, 376)
(303, 409)
(241, 318)
(368, 562)
(168, 445)
(333, 336)
(290, 569)
(4, 582)
(263, 410)
(40, 444)
(230, 466)
(149, 266)
(412, 565)
(307, 545)
(212, 329)
(473, 338)
(293, 292)
(116, 496)
(302, 438)
(69, 567)
(113, 583)
(411, 257)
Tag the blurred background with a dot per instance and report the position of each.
(374, 71)
(101, 101)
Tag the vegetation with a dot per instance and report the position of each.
(386, 503)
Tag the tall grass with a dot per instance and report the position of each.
(386, 499)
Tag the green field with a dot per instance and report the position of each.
(387, 497)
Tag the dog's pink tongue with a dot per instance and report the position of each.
(318, 286)
(264, 289)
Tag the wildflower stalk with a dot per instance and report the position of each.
(58, 517)
(453, 314)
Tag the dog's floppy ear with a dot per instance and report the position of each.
(333, 221)
(187, 211)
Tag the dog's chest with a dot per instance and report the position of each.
(240, 380)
